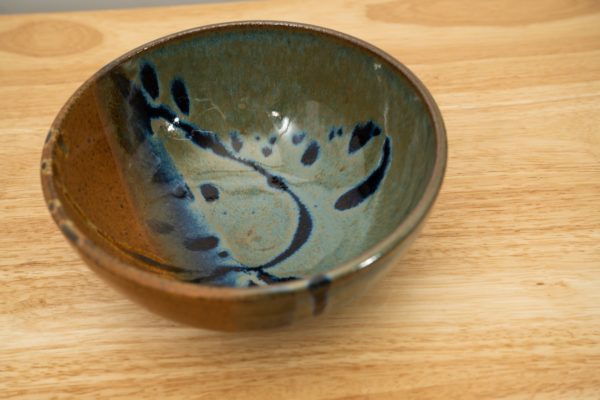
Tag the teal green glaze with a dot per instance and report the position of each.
(243, 149)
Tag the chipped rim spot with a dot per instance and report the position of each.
(54, 205)
(46, 166)
(318, 287)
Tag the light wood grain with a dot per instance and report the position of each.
(498, 298)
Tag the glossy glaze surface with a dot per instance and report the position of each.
(245, 175)
(260, 157)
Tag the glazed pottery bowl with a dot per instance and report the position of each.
(245, 175)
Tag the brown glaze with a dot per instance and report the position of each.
(85, 195)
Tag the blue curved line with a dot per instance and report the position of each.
(209, 141)
(367, 187)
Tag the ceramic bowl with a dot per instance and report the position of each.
(245, 175)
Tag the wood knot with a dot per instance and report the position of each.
(49, 38)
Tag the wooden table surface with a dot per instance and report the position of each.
(498, 298)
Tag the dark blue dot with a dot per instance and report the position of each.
(310, 154)
(257, 138)
(272, 139)
(209, 191)
(223, 254)
(266, 151)
(331, 134)
(297, 138)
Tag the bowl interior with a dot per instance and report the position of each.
(245, 155)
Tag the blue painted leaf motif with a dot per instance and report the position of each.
(149, 80)
(210, 141)
(361, 136)
(146, 111)
(180, 96)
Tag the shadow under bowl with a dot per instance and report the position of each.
(245, 175)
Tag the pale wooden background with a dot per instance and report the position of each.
(28, 6)
(499, 297)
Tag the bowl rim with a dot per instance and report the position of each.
(120, 267)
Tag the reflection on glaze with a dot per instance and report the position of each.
(144, 110)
